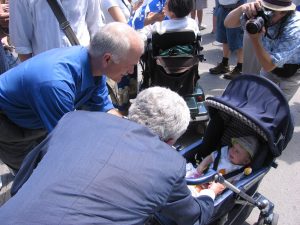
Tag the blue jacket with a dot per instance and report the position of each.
(102, 169)
(38, 92)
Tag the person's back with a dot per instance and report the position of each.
(177, 12)
(100, 180)
(34, 28)
(23, 87)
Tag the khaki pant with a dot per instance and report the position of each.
(288, 85)
(16, 142)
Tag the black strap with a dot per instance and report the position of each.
(63, 22)
(217, 160)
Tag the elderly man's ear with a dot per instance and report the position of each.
(107, 59)
(170, 141)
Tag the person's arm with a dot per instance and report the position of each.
(50, 101)
(93, 17)
(185, 209)
(204, 164)
(117, 14)
(152, 17)
(99, 101)
(21, 27)
(232, 20)
(262, 55)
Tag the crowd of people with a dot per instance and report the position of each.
(67, 166)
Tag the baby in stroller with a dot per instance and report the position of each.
(230, 160)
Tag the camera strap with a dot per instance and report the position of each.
(64, 24)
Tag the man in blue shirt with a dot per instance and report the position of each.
(278, 50)
(38, 92)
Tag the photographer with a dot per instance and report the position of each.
(274, 30)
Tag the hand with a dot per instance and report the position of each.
(200, 169)
(155, 17)
(217, 188)
(250, 9)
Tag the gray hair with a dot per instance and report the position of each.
(163, 111)
(113, 38)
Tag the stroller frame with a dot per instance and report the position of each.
(177, 72)
(250, 105)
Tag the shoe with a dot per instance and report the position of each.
(216, 43)
(202, 26)
(219, 69)
(232, 74)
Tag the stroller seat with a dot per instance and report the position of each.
(171, 60)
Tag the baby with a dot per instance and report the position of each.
(232, 158)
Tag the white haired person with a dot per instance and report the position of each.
(276, 43)
(38, 92)
(102, 169)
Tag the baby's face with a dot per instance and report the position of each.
(239, 156)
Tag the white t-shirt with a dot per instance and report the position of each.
(182, 24)
(34, 28)
(228, 2)
(107, 4)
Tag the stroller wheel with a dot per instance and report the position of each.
(275, 219)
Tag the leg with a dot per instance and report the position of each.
(235, 44)
(16, 142)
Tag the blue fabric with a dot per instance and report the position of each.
(38, 92)
(3, 61)
(231, 36)
(263, 103)
(107, 176)
(286, 48)
(137, 19)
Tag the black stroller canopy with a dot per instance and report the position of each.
(261, 102)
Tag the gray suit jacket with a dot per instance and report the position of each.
(102, 169)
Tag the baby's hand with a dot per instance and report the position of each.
(200, 169)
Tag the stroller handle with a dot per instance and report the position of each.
(206, 178)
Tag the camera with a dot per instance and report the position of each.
(263, 19)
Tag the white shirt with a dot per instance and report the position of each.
(34, 28)
(228, 2)
(182, 24)
(107, 4)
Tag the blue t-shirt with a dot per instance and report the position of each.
(38, 92)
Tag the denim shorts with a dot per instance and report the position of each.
(231, 36)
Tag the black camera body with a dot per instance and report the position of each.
(263, 19)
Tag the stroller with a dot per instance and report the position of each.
(171, 60)
(250, 105)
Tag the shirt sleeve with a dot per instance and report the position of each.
(287, 46)
(105, 5)
(185, 209)
(94, 17)
(51, 100)
(100, 100)
(20, 26)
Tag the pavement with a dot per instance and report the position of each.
(280, 185)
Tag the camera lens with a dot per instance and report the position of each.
(254, 26)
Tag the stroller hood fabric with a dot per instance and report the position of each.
(264, 104)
